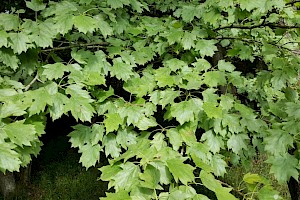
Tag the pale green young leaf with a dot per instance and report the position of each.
(83, 135)
(19, 42)
(214, 78)
(84, 23)
(43, 34)
(163, 77)
(226, 102)
(183, 111)
(218, 165)
(245, 111)
(77, 92)
(215, 143)
(146, 122)
(188, 40)
(119, 195)
(255, 178)
(268, 192)
(164, 97)
(201, 65)
(150, 178)
(175, 64)
(233, 123)
(36, 5)
(140, 86)
(40, 99)
(12, 109)
(121, 70)
(103, 26)
(174, 138)
(81, 109)
(225, 66)
(212, 111)
(3, 38)
(109, 171)
(54, 71)
(284, 167)
(58, 108)
(20, 133)
(9, 159)
(212, 184)
(173, 35)
(111, 146)
(143, 54)
(165, 175)
(133, 114)
(90, 155)
(9, 21)
(80, 136)
(126, 137)
(206, 47)
(112, 122)
(181, 171)
(63, 23)
(128, 177)
(237, 142)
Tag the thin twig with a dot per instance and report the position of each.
(31, 82)
(88, 45)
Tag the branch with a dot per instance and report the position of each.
(87, 45)
(258, 26)
(292, 3)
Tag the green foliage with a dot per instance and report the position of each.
(165, 89)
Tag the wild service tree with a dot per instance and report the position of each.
(173, 91)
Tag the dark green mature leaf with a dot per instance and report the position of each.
(3, 38)
(9, 21)
(117, 3)
(283, 167)
(278, 141)
(36, 5)
(237, 142)
(8, 58)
